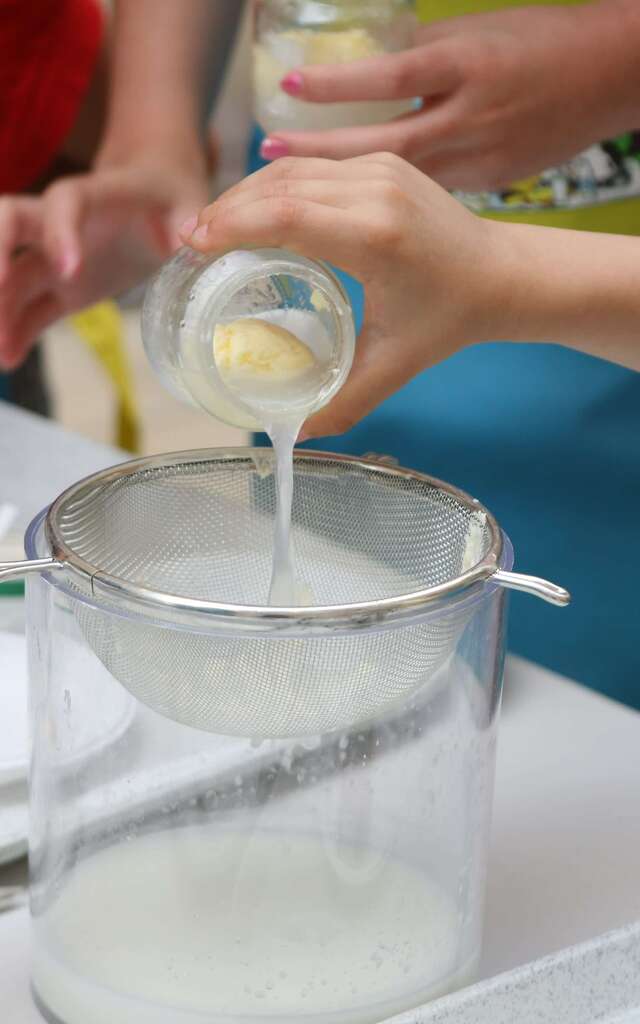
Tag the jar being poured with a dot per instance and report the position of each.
(259, 339)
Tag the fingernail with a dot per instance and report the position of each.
(273, 149)
(201, 234)
(68, 263)
(186, 230)
(292, 83)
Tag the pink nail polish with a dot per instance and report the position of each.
(189, 226)
(273, 149)
(292, 83)
(68, 264)
(201, 234)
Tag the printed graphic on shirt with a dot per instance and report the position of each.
(605, 172)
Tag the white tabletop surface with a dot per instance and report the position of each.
(38, 460)
(566, 831)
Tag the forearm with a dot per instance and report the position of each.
(569, 287)
(168, 61)
(605, 58)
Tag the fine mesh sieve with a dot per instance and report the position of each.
(170, 558)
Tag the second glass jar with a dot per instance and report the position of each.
(293, 33)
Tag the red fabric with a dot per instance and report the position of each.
(48, 52)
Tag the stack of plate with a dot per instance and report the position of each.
(13, 690)
(90, 737)
(13, 746)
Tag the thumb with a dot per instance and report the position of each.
(378, 371)
(180, 224)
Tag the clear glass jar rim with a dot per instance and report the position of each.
(281, 262)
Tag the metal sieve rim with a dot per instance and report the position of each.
(164, 606)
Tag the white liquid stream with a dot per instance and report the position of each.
(285, 589)
(269, 405)
(192, 925)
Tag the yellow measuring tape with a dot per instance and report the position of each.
(101, 328)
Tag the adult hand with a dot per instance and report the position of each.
(425, 261)
(504, 94)
(87, 237)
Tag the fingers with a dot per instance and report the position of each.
(107, 199)
(340, 195)
(336, 219)
(293, 170)
(40, 314)
(283, 176)
(421, 71)
(312, 228)
(21, 219)
(409, 137)
(178, 217)
(31, 277)
(65, 209)
(181, 222)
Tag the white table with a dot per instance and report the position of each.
(566, 833)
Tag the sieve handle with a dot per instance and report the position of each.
(533, 585)
(17, 570)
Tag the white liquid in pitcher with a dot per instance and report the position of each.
(277, 365)
(192, 925)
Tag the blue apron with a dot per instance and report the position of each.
(549, 440)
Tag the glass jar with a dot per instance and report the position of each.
(179, 876)
(192, 294)
(293, 33)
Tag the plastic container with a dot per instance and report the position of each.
(192, 294)
(183, 877)
(293, 33)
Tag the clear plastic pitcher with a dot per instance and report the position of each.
(185, 875)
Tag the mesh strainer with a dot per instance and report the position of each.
(170, 559)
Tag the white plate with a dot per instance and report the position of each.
(13, 708)
(102, 712)
(14, 822)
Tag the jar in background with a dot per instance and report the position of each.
(192, 294)
(189, 877)
(293, 33)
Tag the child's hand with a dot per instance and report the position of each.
(425, 261)
(505, 93)
(84, 238)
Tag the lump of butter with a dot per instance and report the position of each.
(255, 350)
(281, 51)
(340, 47)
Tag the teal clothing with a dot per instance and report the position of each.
(549, 440)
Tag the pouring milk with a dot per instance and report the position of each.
(270, 369)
